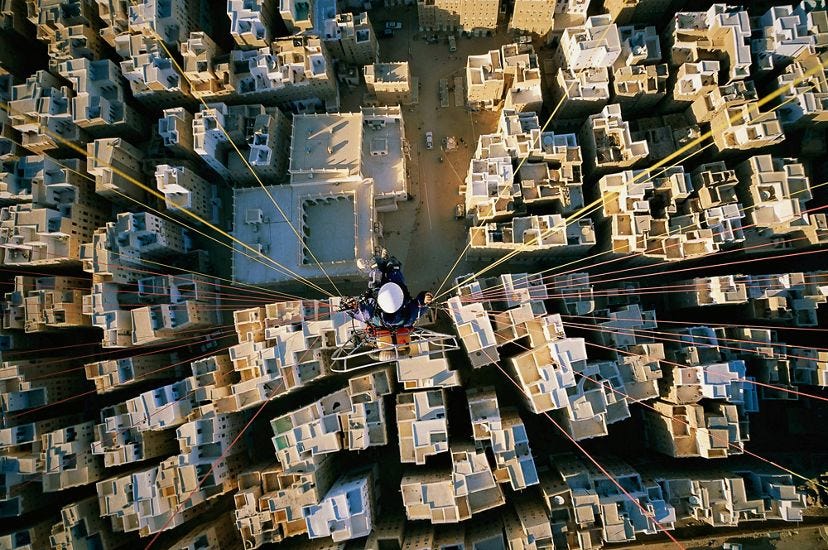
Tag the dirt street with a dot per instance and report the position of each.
(424, 233)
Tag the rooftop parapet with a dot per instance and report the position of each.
(710, 291)
(391, 83)
(670, 231)
(45, 304)
(152, 76)
(743, 127)
(774, 192)
(293, 72)
(715, 430)
(116, 164)
(531, 236)
(175, 128)
(68, 460)
(29, 384)
(118, 247)
(352, 418)
(596, 43)
(99, 105)
(475, 330)
(185, 190)
(113, 374)
(41, 110)
(485, 81)
(171, 20)
(695, 79)
(581, 93)
(296, 15)
(81, 524)
(720, 31)
(422, 425)
(545, 371)
(788, 298)
(206, 68)
(273, 358)
(251, 23)
(349, 37)
(639, 46)
(708, 105)
(348, 509)
(62, 215)
(70, 29)
(606, 141)
(640, 87)
(452, 496)
(503, 431)
(806, 103)
(490, 189)
(176, 479)
(599, 511)
(270, 501)
(780, 39)
(260, 134)
(115, 18)
(785, 298)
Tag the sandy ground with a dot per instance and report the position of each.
(802, 538)
(423, 233)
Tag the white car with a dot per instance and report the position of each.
(393, 25)
(429, 140)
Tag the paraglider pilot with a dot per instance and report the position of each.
(387, 303)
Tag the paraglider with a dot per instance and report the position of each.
(388, 313)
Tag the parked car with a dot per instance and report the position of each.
(429, 140)
(452, 42)
(459, 211)
(387, 33)
(524, 39)
(396, 25)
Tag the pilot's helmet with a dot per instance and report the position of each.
(390, 297)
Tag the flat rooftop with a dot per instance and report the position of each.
(335, 221)
(327, 145)
(391, 72)
(325, 233)
(382, 154)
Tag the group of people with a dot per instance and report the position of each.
(387, 303)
